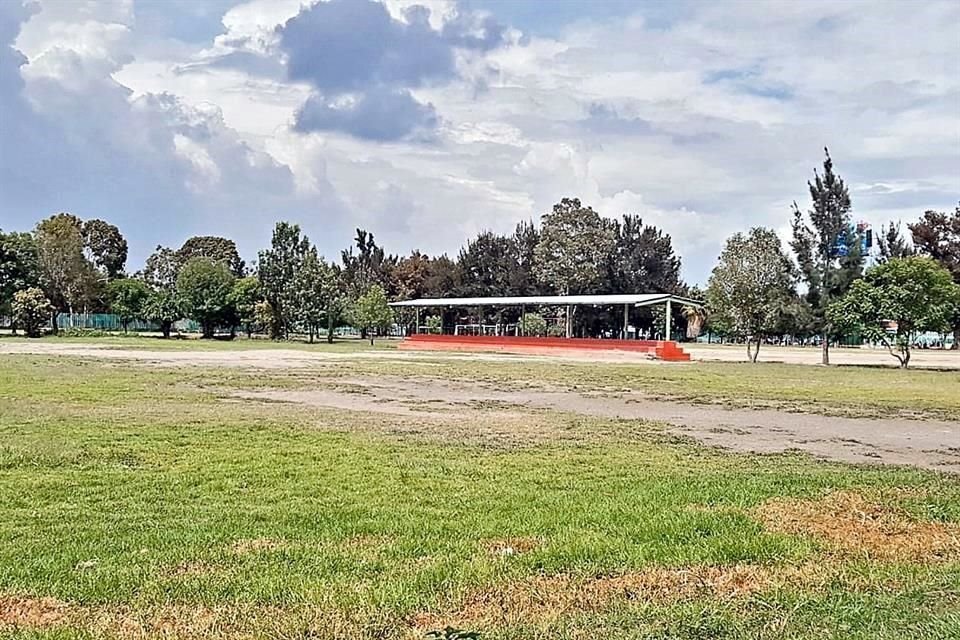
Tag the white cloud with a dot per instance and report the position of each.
(705, 125)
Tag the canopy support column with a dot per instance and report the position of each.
(626, 320)
(523, 320)
(667, 323)
(418, 321)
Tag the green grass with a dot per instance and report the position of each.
(124, 489)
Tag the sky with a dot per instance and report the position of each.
(428, 121)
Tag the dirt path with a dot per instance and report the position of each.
(927, 444)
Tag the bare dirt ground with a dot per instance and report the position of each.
(928, 444)
(920, 358)
(291, 358)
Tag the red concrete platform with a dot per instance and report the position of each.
(660, 349)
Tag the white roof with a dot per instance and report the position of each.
(636, 299)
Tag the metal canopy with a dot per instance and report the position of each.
(635, 299)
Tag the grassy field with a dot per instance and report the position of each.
(142, 501)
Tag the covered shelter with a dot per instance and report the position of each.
(626, 300)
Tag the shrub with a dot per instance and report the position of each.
(534, 325)
(31, 310)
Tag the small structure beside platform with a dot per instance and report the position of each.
(663, 349)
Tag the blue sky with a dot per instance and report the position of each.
(429, 121)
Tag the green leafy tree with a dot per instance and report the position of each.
(31, 309)
(523, 249)
(212, 248)
(828, 250)
(128, 297)
(105, 247)
(244, 297)
(68, 279)
(750, 286)
(163, 307)
(203, 291)
(19, 267)
(278, 270)
(574, 249)
(937, 235)
(161, 268)
(896, 300)
(316, 282)
(372, 312)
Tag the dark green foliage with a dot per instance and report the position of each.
(278, 271)
(213, 248)
(642, 260)
(161, 268)
(203, 292)
(365, 268)
(163, 307)
(938, 236)
(916, 294)
(128, 297)
(828, 274)
(106, 246)
(244, 297)
(19, 266)
(372, 313)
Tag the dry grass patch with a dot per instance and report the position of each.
(32, 613)
(850, 523)
(545, 599)
(511, 546)
(257, 545)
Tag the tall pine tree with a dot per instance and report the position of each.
(827, 247)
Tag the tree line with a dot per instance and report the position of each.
(757, 291)
(68, 265)
(912, 287)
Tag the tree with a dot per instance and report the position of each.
(315, 285)
(903, 296)
(161, 268)
(277, 270)
(372, 312)
(106, 247)
(523, 248)
(244, 297)
(750, 285)
(213, 248)
(163, 307)
(827, 248)
(642, 260)
(574, 248)
(203, 291)
(891, 244)
(485, 266)
(31, 308)
(19, 267)
(128, 297)
(68, 279)
(938, 236)
(369, 266)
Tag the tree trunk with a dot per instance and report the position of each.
(165, 329)
(208, 330)
(956, 338)
(53, 322)
(826, 348)
(329, 327)
(749, 354)
(756, 352)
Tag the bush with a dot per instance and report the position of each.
(81, 332)
(434, 324)
(534, 325)
(31, 310)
